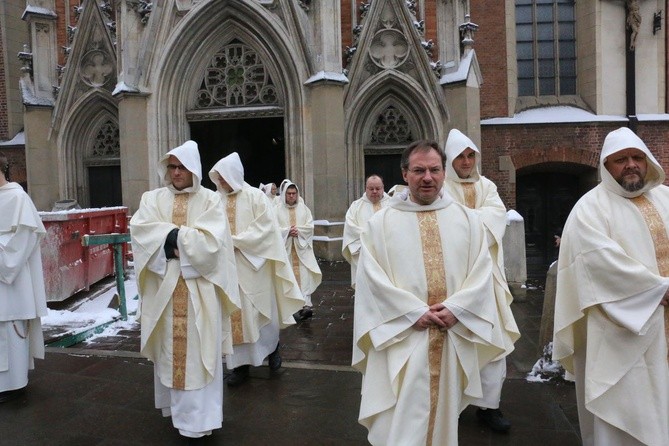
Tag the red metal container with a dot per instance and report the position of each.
(68, 266)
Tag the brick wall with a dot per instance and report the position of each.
(17, 164)
(529, 145)
(4, 123)
(490, 46)
(431, 26)
(346, 28)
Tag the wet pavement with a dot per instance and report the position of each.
(101, 392)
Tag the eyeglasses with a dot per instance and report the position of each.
(174, 167)
(421, 171)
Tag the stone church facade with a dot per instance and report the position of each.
(325, 92)
(320, 92)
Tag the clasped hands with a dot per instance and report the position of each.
(436, 316)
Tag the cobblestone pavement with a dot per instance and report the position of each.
(101, 392)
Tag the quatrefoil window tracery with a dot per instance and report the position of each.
(107, 142)
(391, 128)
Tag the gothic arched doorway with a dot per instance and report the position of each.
(259, 142)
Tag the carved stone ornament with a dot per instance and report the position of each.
(107, 142)
(305, 4)
(96, 68)
(389, 49)
(391, 127)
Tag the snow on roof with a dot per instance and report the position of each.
(554, 114)
(18, 140)
(30, 9)
(327, 223)
(462, 72)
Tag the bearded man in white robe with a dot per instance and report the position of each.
(297, 231)
(612, 293)
(468, 187)
(374, 199)
(22, 295)
(268, 291)
(425, 317)
(187, 281)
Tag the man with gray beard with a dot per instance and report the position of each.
(612, 294)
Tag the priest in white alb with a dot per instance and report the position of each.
(612, 294)
(187, 282)
(297, 231)
(268, 290)
(425, 317)
(374, 199)
(22, 296)
(468, 187)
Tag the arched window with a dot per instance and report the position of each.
(546, 47)
(235, 77)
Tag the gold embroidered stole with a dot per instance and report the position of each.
(470, 195)
(295, 260)
(236, 316)
(179, 306)
(658, 233)
(376, 207)
(433, 259)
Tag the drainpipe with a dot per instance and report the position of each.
(630, 77)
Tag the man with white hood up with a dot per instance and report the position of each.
(268, 291)
(187, 281)
(612, 293)
(469, 188)
(297, 231)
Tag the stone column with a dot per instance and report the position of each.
(42, 161)
(326, 97)
(135, 166)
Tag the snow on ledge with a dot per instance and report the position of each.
(122, 87)
(462, 72)
(38, 10)
(513, 215)
(554, 114)
(327, 76)
(327, 223)
(18, 140)
(325, 238)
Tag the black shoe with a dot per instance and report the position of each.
(238, 376)
(494, 419)
(274, 360)
(9, 395)
(304, 314)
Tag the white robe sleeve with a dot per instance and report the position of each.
(14, 252)
(634, 312)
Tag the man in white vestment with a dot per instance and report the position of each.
(612, 293)
(22, 296)
(187, 281)
(297, 231)
(468, 187)
(425, 317)
(268, 291)
(374, 199)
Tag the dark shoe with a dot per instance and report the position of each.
(274, 360)
(238, 376)
(304, 314)
(494, 419)
(9, 395)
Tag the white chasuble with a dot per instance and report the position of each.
(186, 302)
(357, 215)
(415, 383)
